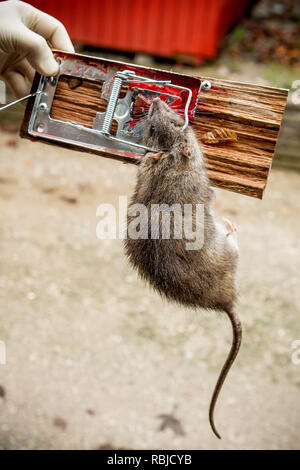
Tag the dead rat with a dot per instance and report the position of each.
(175, 175)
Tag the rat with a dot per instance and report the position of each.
(175, 173)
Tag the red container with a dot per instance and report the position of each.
(169, 28)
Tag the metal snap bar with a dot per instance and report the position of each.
(126, 75)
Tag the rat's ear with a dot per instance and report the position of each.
(155, 156)
(185, 152)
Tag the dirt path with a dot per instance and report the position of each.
(94, 357)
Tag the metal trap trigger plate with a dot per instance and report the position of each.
(141, 86)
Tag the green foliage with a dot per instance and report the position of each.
(280, 75)
(237, 35)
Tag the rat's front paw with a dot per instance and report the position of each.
(232, 229)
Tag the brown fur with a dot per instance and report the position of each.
(175, 173)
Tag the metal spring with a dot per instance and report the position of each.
(110, 110)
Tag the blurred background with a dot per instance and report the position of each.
(95, 359)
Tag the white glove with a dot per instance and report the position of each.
(25, 33)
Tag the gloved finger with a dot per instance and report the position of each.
(47, 26)
(17, 83)
(36, 50)
(53, 31)
(26, 69)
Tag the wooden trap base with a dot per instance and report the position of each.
(252, 112)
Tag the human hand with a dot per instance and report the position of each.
(25, 35)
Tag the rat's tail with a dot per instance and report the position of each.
(236, 342)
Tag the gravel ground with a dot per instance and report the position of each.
(96, 359)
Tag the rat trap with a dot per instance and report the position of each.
(125, 93)
(100, 106)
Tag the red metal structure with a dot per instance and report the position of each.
(168, 28)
